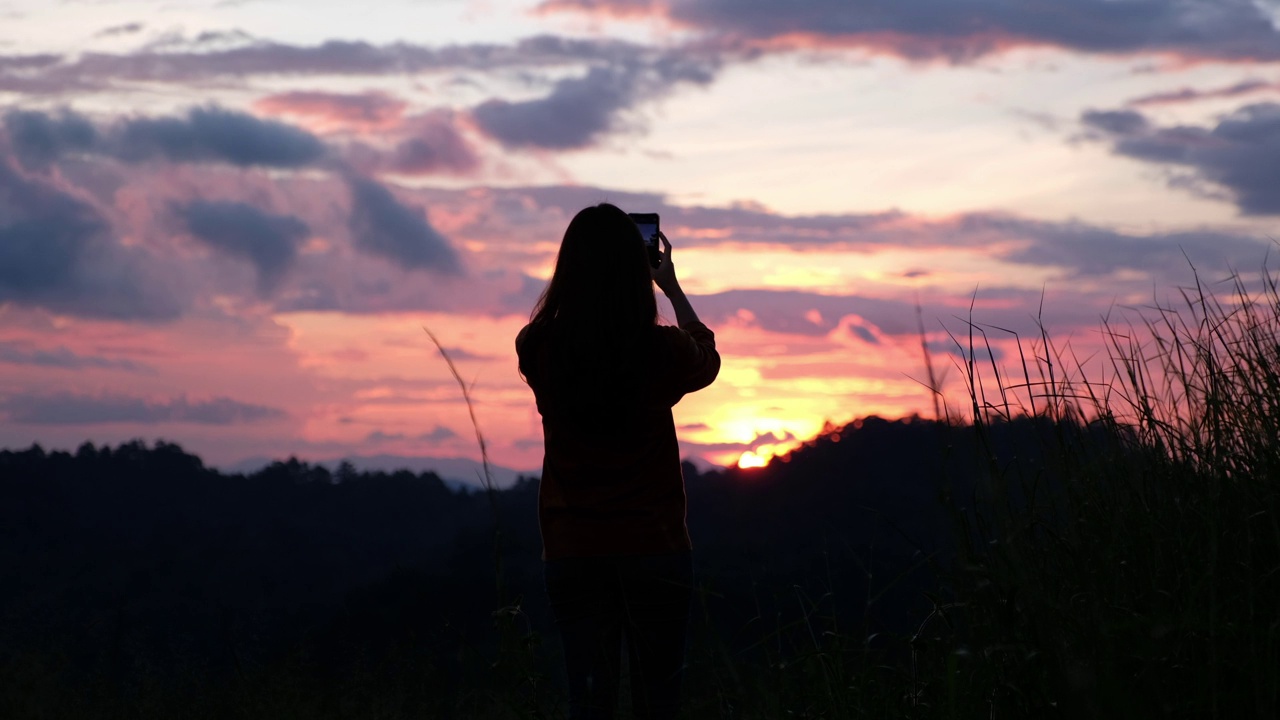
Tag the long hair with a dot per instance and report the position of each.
(599, 307)
(602, 284)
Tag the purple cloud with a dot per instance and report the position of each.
(1241, 153)
(382, 225)
(1185, 95)
(269, 242)
(579, 110)
(96, 71)
(213, 134)
(207, 134)
(434, 145)
(38, 139)
(62, 358)
(57, 252)
(69, 409)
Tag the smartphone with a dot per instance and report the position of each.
(648, 224)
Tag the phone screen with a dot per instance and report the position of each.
(649, 231)
(648, 224)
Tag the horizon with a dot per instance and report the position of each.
(227, 224)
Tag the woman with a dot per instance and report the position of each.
(611, 502)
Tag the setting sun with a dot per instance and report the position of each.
(751, 460)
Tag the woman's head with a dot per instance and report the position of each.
(602, 280)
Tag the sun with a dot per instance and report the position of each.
(749, 459)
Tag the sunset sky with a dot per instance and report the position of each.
(226, 222)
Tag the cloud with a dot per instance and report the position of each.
(575, 114)
(69, 409)
(461, 353)
(579, 110)
(793, 311)
(116, 30)
(617, 75)
(1241, 153)
(438, 434)
(433, 145)
(769, 438)
(1088, 250)
(962, 31)
(363, 111)
(381, 225)
(57, 252)
(61, 358)
(215, 134)
(205, 134)
(181, 63)
(1186, 95)
(241, 230)
(21, 63)
(39, 139)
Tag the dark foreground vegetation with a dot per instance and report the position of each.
(1078, 546)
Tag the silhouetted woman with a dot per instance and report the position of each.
(611, 503)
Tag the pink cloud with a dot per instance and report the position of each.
(325, 112)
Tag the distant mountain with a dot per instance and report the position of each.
(457, 473)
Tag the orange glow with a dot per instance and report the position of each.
(751, 460)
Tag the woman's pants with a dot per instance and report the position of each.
(599, 601)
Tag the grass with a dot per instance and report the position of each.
(1144, 579)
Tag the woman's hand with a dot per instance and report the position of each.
(665, 274)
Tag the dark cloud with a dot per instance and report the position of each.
(461, 353)
(69, 409)
(1185, 95)
(1240, 154)
(1120, 122)
(26, 63)
(57, 252)
(575, 114)
(38, 138)
(206, 134)
(960, 31)
(959, 349)
(181, 64)
(1088, 250)
(579, 110)
(381, 225)
(17, 353)
(789, 311)
(434, 145)
(213, 134)
(116, 30)
(438, 434)
(268, 241)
